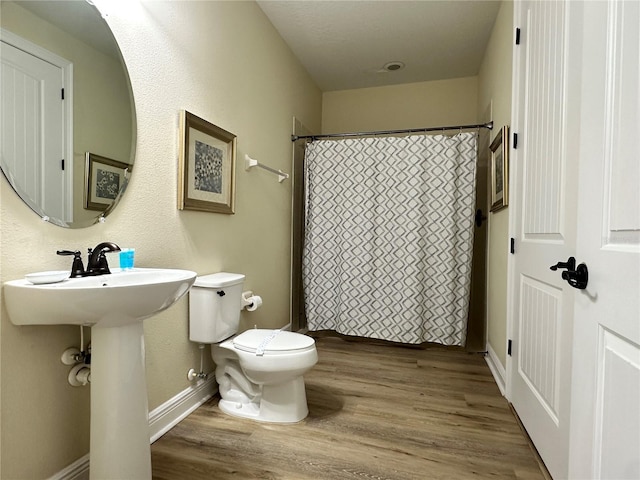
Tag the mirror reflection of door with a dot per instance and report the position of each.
(34, 131)
(98, 106)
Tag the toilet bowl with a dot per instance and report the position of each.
(259, 372)
(260, 375)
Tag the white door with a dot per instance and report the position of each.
(605, 431)
(33, 136)
(542, 213)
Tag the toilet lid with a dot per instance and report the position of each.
(280, 341)
(218, 280)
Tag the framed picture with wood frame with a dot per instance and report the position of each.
(500, 170)
(206, 166)
(104, 180)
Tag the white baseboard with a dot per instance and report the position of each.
(161, 420)
(78, 470)
(497, 370)
(169, 414)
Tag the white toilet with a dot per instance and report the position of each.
(259, 372)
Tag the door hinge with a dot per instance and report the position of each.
(517, 36)
(512, 245)
(515, 141)
(509, 344)
(62, 94)
(62, 163)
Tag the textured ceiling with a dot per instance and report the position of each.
(345, 44)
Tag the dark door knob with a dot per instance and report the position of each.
(577, 277)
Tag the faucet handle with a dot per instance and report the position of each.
(77, 267)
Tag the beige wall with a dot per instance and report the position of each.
(494, 94)
(222, 61)
(101, 99)
(413, 105)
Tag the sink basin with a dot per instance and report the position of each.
(114, 305)
(123, 297)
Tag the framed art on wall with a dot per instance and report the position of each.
(206, 166)
(104, 179)
(500, 170)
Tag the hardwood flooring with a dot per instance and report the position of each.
(375, 412)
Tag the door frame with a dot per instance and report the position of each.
(298, 319)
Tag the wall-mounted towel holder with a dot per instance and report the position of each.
(251, 162)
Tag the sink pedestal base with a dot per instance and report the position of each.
(120, 445)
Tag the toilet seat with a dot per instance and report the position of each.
(258, 341)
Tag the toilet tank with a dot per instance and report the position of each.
(215, 302)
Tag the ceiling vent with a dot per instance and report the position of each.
(393, 66)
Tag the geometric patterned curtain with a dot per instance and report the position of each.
(389, 236)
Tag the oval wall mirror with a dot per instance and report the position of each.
(68, 117)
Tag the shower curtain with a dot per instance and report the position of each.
(389, 236)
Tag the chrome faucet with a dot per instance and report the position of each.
(97, 263)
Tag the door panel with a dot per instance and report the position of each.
(617, 415)
(540, 307)
(606, 378)
(543, 222)
(622, 126)
(544, 97)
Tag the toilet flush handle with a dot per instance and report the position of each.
(221, 293)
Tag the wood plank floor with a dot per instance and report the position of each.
(375, 412)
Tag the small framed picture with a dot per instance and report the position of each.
(104, 180)
(206, 166)
(500, 170)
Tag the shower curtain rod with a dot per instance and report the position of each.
(488, 125)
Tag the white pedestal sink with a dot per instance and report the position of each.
(114, 305)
